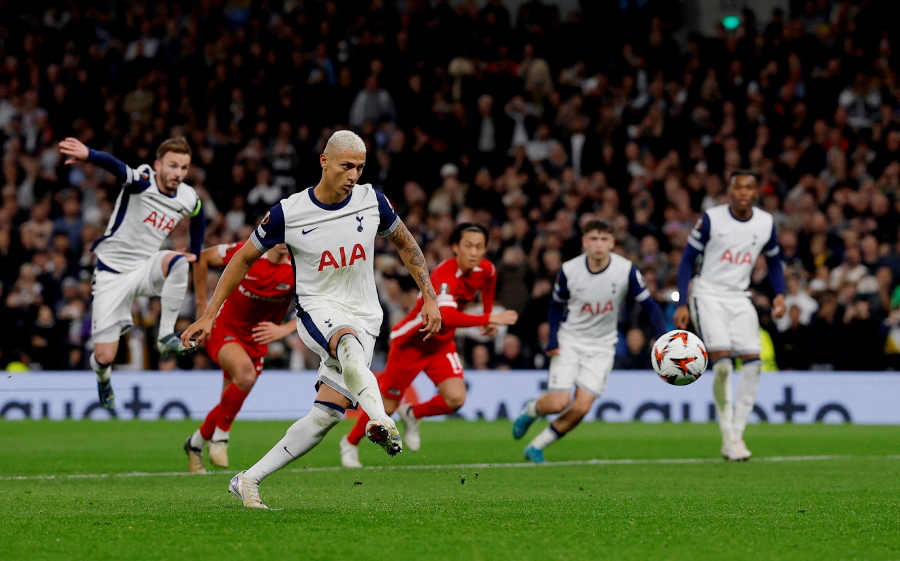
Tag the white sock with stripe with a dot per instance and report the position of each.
(102, 371)
(747, 388)
(299, 439)
(546, 437)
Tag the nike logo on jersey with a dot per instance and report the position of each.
(282, 286)
(361, 391)
(304, 232)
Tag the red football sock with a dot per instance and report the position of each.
(431, 408)
(359, 429)
(209, 425)
(232, 400)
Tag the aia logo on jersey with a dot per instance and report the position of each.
(598, 308)
(737, 258)
(328, 259)
(160, 221)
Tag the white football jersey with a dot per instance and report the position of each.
(141, 220)
(333, 249)
(730, 247)
(593, 300)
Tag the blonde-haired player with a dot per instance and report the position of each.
(330, 232)
(730, 237)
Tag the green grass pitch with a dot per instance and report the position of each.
(811, 492)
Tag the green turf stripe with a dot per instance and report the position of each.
(511, 465)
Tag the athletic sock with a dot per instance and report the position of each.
(198, 440)
(747, 387)
(546, 437)
(232, 400)
(431, 408)
(209, 424)
(102, 370)
(172, 295)
(299, 439)
(722, 395)
(358, 431)
(531, 409)
(358, 378)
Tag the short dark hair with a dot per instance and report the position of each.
(461, 229)
(179, 145)
(742, 172)
(596, 225)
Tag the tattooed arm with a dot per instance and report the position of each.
(414, 260)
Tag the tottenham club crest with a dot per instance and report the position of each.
(359, 219)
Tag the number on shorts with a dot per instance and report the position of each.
(455, 362)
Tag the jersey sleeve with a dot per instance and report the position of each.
(700, 234)
(489, 290)
(389, 220)
(228, 250)
(560, 288)
(135, 180)
(270, 231)
(771, 248)
(637, 289)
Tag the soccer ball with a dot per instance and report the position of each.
(679, 357)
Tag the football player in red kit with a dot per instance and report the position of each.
(458, 280)
(249, 320)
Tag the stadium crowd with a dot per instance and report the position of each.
(525, 122)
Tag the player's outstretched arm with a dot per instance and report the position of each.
(77, 151)
(231, 277)
(412, 257)
(209, 257)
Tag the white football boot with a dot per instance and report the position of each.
(740, 450)
(729, 453)
(383, 432)
(349, 454)
(195, 457)
(411, 436)
(247, 490)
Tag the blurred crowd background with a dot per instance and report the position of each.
(528, 121)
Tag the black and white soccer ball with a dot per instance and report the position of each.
(679, 357)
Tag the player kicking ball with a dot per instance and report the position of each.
(249, 320)
(730, 237)
(153, 200)
(460, 280)
(584, 315)
(330, 233)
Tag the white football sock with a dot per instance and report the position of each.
(220, 435)
(102, 371)
(747, 387)
(545, 438)
(358, 378)
(172, 295)
(722, 395)
(532, 409)
(299, 439)
(197, 440)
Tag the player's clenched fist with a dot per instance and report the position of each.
(431, 319)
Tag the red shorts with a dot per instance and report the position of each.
(405, 363)
(220, 337)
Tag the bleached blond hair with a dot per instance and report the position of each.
(345, 141)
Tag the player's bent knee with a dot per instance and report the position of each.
(455, 402)
(557, 402)
(245, 381)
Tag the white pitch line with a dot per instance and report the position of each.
(437, 467)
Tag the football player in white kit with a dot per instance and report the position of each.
(153, 200)
(584, 316)
(330, 231)
(730, 237)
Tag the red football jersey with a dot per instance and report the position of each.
(264, 294)
(455, 292)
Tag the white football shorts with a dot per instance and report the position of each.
(576, 366)
(726, 323)
(114, 295)
(316, 327)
